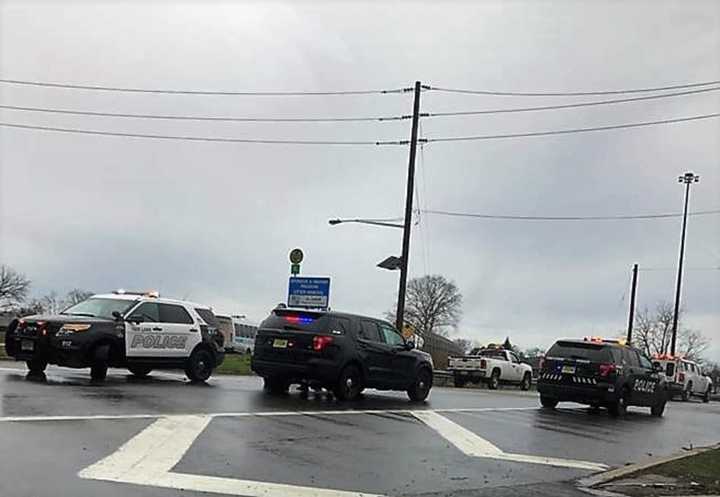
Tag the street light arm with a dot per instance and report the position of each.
(334, 222)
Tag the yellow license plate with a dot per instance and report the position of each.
(568, 369)
(280, 344)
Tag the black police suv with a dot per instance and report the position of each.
(601, 373)
(343, 353)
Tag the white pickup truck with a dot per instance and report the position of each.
(492, 366)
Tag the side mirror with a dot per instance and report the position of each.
(409, 344)
(117, 315)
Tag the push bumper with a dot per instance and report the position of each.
(322, 370)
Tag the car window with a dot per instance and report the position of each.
(645, 362)
(207, 316)
(670, 369)
(580, 350)
(494, 353)
(146, 312)
(171, 313)
(369, 331)
(391, 336)
(514, 358)
(631, 358)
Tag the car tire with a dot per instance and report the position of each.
(420, 388)
(199, 366)
(494, 381)
(526, 382)
(99, 366)
(276, 385)
(619, 408)
(706, 396)
(459, 382)
(548, 402)
(349, 385)
(658, 409)
(140, 371)
(36, 366)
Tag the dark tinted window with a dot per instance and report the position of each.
(369, 331)
(631, 358)
(147, 312)
(170, 313)
(207, 316)
(670, 369)
(391, 336)
(645, 362)
(580, 350)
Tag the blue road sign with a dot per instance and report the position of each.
(309, 292)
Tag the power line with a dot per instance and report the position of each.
(568, 218)
(203, 92)
(709, 268)
(204, 118)
(568, 93)
(573, 130)
(567, 106)
(201, 138)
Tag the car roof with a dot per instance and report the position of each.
(145, 298)
(329, 313)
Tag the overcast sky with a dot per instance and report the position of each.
(214, 222)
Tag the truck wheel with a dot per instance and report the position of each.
(706, 397)
(36, 366)
(199, 366)
(99, 367)
(140, 371)
(420, 388)
(275, 385)
(494, 381)
(459, 382)
(658, 409)
(548, 402)
(526, 382)
(349, 384)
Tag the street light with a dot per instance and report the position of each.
(687, 178)
(374, 222)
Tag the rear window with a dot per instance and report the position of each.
(207, 316)
(316, 322)
(580, 350)
(496, 354)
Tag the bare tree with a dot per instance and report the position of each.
(76, 295)
(433, 304)
(52, 303)
(14, 287)
(652, 333)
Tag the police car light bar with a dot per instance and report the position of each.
(149, 293)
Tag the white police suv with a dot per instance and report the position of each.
(137, 331)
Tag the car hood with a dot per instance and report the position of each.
(64, 318)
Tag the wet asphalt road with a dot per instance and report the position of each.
(50, 431)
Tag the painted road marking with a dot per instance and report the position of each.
(17, 419)
(148, 458)
(473, 445)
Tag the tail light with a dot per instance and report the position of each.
(320, 342)
(42, 327)
(483, 364)
(22, 324)
(681, 377)
(607, 369)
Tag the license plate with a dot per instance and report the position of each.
(568, 369)
(280, 344)
(27, 346)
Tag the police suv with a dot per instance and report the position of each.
(599, 372)
(137, 331)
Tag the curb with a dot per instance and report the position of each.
(587, 484)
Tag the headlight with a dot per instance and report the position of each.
(70, 329)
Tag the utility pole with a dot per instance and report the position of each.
(631, 318)
(687, 178)
(399, 319)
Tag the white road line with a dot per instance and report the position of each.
(14, 419)
(148, 458)
(473, 445)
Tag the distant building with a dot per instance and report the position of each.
(440, 348)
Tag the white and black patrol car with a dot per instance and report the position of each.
(137, 331)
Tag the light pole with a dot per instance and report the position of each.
(687, 178)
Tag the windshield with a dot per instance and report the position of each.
(580, 350)
(99, 307)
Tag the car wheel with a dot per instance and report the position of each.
(548, 402)
(99, 367)
(199, 366)
(349, 385)
(658, 409)
(276, 385)
(421, 386)
(706, 396)
(619, 408)
(494, 381)
(140, 371)
(459, 382)
(36, 366)
(526, 382)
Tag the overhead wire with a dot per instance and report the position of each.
(571, 130)
(569, 218)
(568, 93)
(202, 92)
(424, 235)
(566, 106)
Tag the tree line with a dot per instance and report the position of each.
(15, 295)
